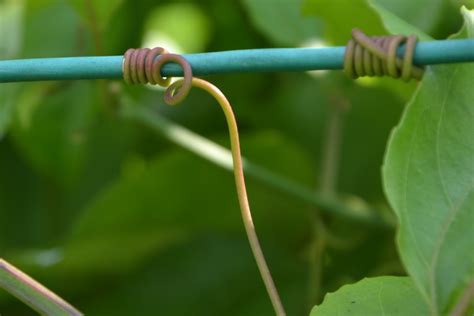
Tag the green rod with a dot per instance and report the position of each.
(254, 60)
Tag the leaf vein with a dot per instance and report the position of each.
(441, 239)
(438, 131)
(452, 207)
(404, 208)
(380, 299)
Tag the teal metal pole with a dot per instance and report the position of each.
(255, 60)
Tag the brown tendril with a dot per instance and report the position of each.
(144, 66)
(377, 56)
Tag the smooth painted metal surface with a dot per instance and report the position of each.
(254, 60)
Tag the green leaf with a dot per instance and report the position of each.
(374, 296)
(10, 38)
(281, 21)
(10, 28)
(59, 123)
(182, 24)
(42, 36)
(52, 114)
(341, 16)
(428, 179)
(396, 25)
(422, 14)
(97, 12)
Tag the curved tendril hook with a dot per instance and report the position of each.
(239, 182)
(144, 65)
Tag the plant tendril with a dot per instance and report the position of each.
(145, 64)
(377, 56)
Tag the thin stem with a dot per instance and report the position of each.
(332, 146)
(317, 249)
(94, 25)
(222, 157)
(242, 192)
(328, 183)
(33, 293)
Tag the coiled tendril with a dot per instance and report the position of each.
(377, 56)
(144, 66)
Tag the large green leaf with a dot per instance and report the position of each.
(42, 36)
(59, 122)
(428, 178)
(341, 16)
(424, 14)
(53, 117)
(396, 25)
(281, 21)
(394, 296)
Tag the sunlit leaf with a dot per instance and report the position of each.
(282, 21)
(341, 16)
(395, 296)
(180, 24)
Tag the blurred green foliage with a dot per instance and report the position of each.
(120, 221)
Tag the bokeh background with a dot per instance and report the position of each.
(102, 200)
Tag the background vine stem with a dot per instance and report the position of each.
(241, 189)
(330, 161)
(33, 293)
(222, 157)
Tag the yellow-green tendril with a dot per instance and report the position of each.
(144, 66)
(241, 188)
